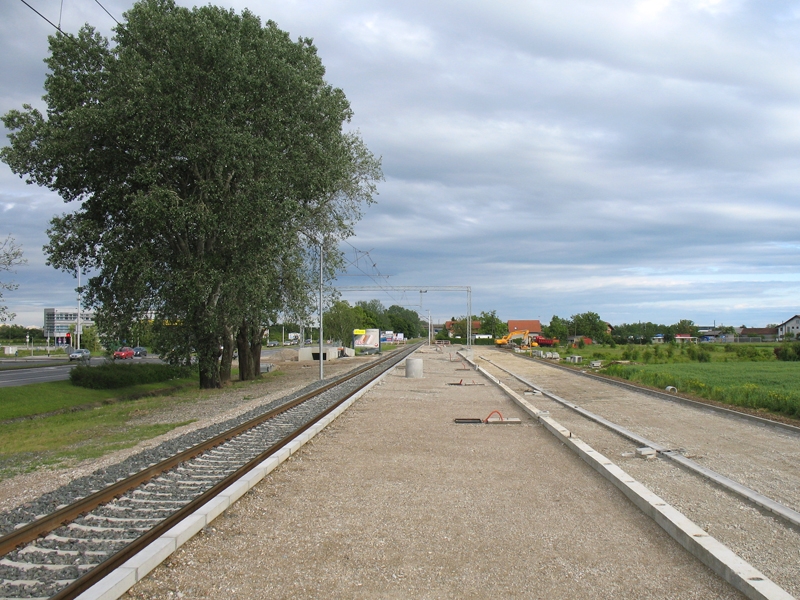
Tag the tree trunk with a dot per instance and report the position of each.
(208, 354)
(255, 351)
(227, 356)
(246, 367)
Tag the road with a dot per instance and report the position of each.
(10, 377)
(13, 377)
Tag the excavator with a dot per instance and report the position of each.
(528, 340)
(505, 341)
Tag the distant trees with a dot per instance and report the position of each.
(647, 330)
(492, 325)
(558, 328)
(341, 319)
(18, 333)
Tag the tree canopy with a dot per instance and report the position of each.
(10, 256)
(209, 157)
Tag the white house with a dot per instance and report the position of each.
(789, 329)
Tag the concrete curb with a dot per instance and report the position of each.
(119, 581)
(713, 553)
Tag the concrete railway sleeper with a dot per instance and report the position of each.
(768, 533)
(66, 552)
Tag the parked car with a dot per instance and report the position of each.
(139, 351)
(80, 354)
(272, 344)
(123, 353)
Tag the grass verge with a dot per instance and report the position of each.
(43, 398)
(58, 424)
(762, 385)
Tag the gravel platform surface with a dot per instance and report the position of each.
(763, 458)
(395, 500)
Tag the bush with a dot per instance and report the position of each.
(110, 376)
(790, 352)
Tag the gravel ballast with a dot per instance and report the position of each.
(395, 500)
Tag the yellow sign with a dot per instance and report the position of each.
(359, 331)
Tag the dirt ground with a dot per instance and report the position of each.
(395, 500)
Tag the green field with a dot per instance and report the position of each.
(42, 398)
(60, 424)
(762, 385)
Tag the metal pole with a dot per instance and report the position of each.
(469, 317)
(321, 373)
(78, 328)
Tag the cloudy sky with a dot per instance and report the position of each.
(638, 159)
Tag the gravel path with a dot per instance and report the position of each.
(765, 459)
(394, 500)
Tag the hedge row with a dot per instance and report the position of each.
(110, 376)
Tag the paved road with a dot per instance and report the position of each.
(44, 374)
(9, 378)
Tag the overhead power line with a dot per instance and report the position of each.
(108, 13)
(56, 27)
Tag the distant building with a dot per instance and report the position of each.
(789, 329)
(765, 334)
(685, 338)
(533, 325)
(59, 321)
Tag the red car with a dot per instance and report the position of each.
(123, 352)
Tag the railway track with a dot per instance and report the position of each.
(737, 477)
(62, 544)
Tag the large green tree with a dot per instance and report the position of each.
(10, 256)
(492, 325)
(557, 329)
(199, 146)
(589, 324)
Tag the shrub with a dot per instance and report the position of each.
(110, 376)
(790, 352)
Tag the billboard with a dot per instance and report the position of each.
(367, 338)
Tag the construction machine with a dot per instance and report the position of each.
(505, 341)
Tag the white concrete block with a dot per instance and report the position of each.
(215, 507)
(186, 529)
(236, 490)
(151, 556)
(112, 586)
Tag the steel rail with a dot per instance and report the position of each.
(97, 573)
(48, 523)
(671, 397)
(760, 500)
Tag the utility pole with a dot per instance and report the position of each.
(321, 374)
(78, 326)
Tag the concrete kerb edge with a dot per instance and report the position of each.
(710, 551)
(120, 580)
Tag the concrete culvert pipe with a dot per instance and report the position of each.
(414, 368)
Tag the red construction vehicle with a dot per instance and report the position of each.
(543, 341)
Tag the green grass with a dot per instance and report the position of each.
(767, 385)
(41, 398)
(74, 436)
(100, 426)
